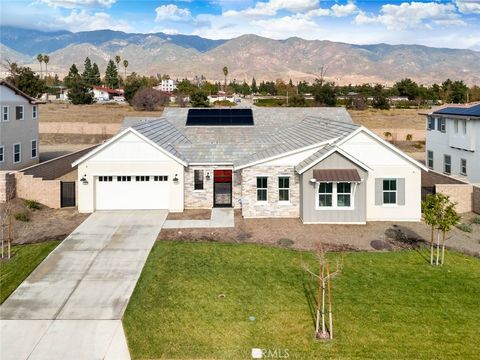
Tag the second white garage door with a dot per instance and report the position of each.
(131, 192)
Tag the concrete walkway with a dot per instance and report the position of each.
(72, 304)
(220, 218)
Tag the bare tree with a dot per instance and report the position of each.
(324, 276)
(149, 99)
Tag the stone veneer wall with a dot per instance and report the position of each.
(7, 186)
(272, 208)
(203, 199)
(462, 194)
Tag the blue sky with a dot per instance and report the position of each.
(440, 23)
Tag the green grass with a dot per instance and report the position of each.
(387, 305)
(25, 258)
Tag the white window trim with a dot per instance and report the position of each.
(353, 187)
(8, 113)
(464, 173)
(36, 149)
(428, 159)
(204, 180)
(395, 204)
(19, 153)
(23, 112)
(3, 153)
(261, 202)
(430, 120)
(283, 202)
(35, 107)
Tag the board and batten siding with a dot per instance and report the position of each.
(130, 155)
(308, 209)
(385, 163)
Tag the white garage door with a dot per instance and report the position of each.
(131, 192)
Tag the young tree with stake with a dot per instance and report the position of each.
(449, 219)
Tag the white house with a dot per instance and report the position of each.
(311, 163)
(19, 145)
(101, 93)
(453, 141)
(167, 85)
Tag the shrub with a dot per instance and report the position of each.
(409, 137)
(418, 145)
(32, 204)
(146, 99)
(476, 220)
(223, 103)
(465, 227)
(22, 216)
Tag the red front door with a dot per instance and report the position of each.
(222, 188)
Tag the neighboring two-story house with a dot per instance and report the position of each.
(453, 141)
(19, 146)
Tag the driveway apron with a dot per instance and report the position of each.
(72, 304)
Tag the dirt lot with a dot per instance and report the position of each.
(96, 113)
(191, 214)
(393, 118)
(45, 224)
(291, 232)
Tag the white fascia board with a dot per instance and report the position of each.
(385, 143)
(119, 135)
(293, 152)
(340, 151)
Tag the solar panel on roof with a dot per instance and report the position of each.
(465, 111)
(219, 117)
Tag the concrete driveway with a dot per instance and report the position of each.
(70, 307)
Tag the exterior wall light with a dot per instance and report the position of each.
(175, 179)
(313, 181)
(84, 180)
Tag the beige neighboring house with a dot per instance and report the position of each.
(19, 145)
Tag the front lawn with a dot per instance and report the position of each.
(387, 305)
(25, 259)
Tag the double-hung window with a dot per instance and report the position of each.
(389, 191)
(5, 113)
(430, 159)
(262, 190)
(34, 112)
(17, 153)
(463, 166)
(325, 194)
(344, 194)
(284, 188)
(430, 123)
(2, 154)
(441, 125)
(447, 164)
(335, 195)
(19, 112)
(198, 182)
(34, 152)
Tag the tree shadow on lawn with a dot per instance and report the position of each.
(310, 296)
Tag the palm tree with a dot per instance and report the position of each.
(125, 65)
(117, 60)
(40, 60)
(46, 59)
(225, 72)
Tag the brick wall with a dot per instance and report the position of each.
(476, 200)
(7, 186)
(46, 192)
(462, 194)
(272, 208)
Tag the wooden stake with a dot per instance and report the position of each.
(443, 247)
(438, 247)
(324, 330)
(317, 324)
(330, 317)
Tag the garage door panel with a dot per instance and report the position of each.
(128, 192)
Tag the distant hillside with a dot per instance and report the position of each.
(246, 56)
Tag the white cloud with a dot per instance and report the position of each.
(271, 7)
(81, 20)
(345, 10)
(411, 15)
(287, 26)
(71, 4)
(169, 31)
(172, 12)
(468, 6)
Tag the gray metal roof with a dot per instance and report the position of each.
(276, 131)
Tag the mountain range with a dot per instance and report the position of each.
(246, 56)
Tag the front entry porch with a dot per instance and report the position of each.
(222, 188)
